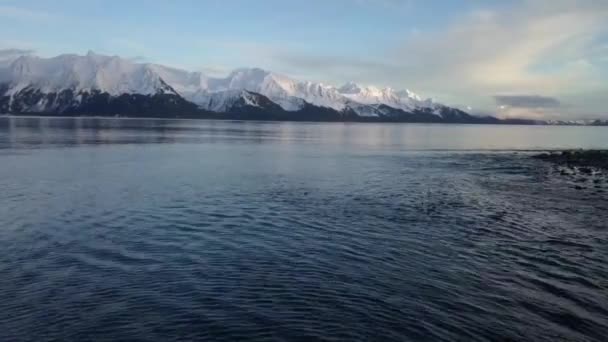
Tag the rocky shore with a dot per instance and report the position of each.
(584, 160)
(586, 169)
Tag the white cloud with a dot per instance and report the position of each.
(546, 48)
(523, 51)
(540, 47)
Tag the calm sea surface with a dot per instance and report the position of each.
(159, 230)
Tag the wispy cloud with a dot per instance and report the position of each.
(14, 52)
(538, 47)
(138, 59)
(9, 55)
(533, 49)
(486, 55)
(527, 101)
(333, 68)
(20, 13)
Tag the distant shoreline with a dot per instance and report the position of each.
(228, 117)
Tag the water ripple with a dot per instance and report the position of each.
(388, 247)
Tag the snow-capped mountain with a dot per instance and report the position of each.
(101, 84)
(290, 94)
(112, 75)
(73, 83)
(404, 99)
(229, 100)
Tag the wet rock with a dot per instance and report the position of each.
(543, 156)
(586, 170)
(585, 160)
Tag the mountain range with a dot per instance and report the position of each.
(102, 85)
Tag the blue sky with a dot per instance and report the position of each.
(511, 58)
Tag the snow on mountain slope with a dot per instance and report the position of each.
(116, 76)
(224, 101)
(184, 82)
(9, 56)
(112, 75)
(290, 94)
(404, 99)
(286, 92)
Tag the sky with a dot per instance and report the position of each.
(509, 58)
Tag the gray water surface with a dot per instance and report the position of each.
(156, 230)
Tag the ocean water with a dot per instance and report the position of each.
(159, 230)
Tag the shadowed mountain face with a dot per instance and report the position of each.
(66, 102)
(95, 103)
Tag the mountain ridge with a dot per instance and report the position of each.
(95, 84)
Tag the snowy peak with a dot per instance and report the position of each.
(411, 95)
(290, 94)
(91, 72)
(244, 87)
(248, 78)
(183, 82)
(350, 88)
(229, 100)
(404, 99)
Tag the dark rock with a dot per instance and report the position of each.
(585, 160)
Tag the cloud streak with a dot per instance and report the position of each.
(7, 56)
(14, 52)
(516, 54)
(527, 101)
(20, 13)
(539, 47)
